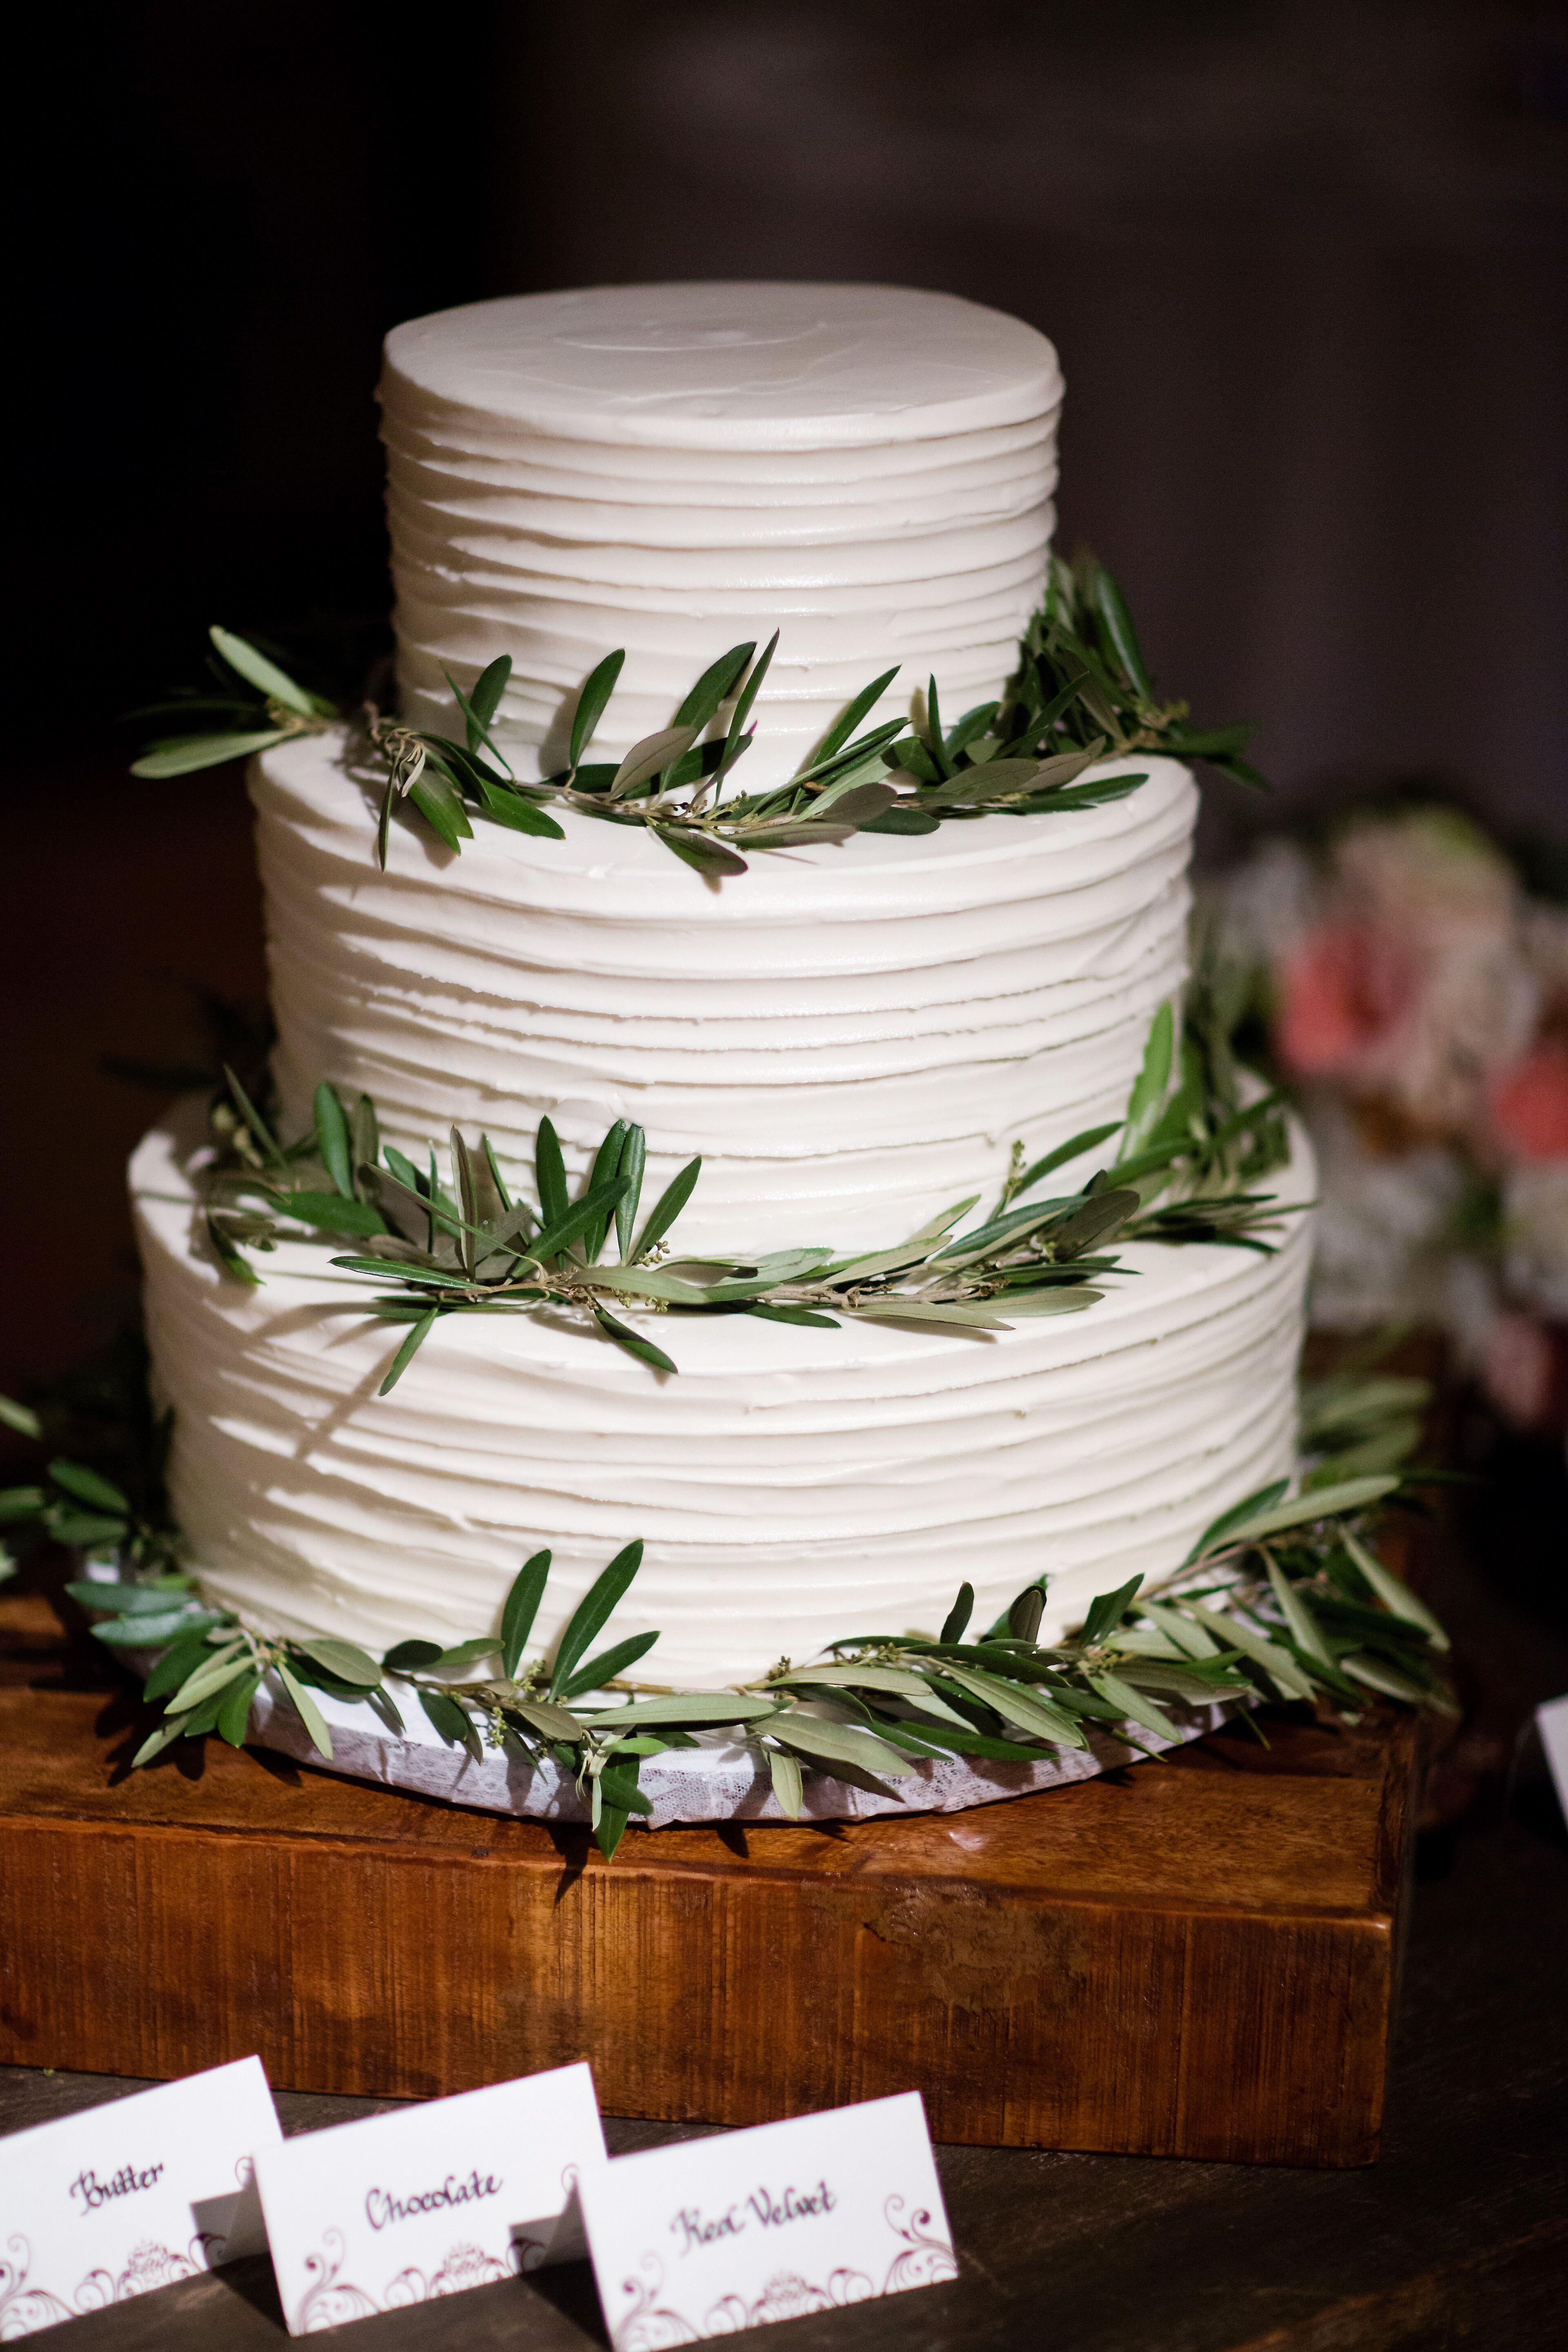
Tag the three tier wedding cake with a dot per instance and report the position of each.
(855, 1035)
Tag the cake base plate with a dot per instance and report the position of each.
(1193, 1957)
(717, 1780)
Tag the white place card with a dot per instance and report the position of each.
(106, 2204)
(714, 2235)
(398, 2208)
(1552, 1722)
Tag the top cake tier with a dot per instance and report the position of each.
(675, 468)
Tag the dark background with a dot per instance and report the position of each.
(1303, 260)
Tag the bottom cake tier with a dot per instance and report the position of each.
(792, 1485)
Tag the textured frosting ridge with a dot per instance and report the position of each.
(792, 1485)
(673, 469)
(851, 1036)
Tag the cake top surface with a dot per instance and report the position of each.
(762, 365)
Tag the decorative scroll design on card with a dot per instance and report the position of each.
(329, 2301)
(461, 2268)
(151, 2265)
(24, 2308)
(650, 2326)
(787, 2296)
(927, 2259)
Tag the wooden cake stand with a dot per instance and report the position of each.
(1196, 1959)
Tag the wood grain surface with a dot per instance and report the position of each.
(1197, 1959)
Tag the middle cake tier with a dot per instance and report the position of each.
(851, 1037)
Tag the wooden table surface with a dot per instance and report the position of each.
(1458, 2237)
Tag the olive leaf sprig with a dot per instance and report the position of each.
(1357, 1422)
(1081, 696)
(468, 1246)
(209, 1673)
(79, 1505)
(1084, 626)
(1280, 1598)
(276, 709)
(670, 782)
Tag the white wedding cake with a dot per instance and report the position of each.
(852, 1036)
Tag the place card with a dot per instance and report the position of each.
(398, 2208)
(714, 2235)
(1552, 1723)
(103, 2205)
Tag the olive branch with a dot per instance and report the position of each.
(82, 1506)
(1191, 1150)
(277, 710)
(1081, 695)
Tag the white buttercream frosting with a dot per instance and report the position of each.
(851, 1035)
(675, 468)
(792, 1485)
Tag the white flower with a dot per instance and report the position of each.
(1383, 1224)
(1265, 908)
(1535, 1230)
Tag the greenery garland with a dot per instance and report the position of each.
(1281, 1598)
(436, 1250)
(1080, 695)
